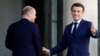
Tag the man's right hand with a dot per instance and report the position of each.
(45, 50)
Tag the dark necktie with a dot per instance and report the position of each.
(74, 29)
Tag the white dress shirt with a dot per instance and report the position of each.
(78, 22)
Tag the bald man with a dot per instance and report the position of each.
(23, 37)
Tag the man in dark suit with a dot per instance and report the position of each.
(23, 37)
(76, 36)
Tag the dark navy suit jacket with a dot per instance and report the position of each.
(23, 39)
(78, 45)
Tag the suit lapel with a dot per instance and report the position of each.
(69, 31)
(79, 27)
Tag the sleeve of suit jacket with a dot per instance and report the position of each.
(96, 35)
(8, 41)
(61, 46)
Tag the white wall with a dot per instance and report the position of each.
(91, 9)
(10, 11)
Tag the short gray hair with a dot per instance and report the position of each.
(26, 9)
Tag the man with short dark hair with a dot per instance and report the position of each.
(23, 37)
(76, 36)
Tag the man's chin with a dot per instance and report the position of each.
(76, 19)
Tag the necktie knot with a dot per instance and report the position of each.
(75, 23)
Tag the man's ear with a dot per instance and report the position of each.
(28, 14)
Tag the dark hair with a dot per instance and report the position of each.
(26, 9)
(78, 5)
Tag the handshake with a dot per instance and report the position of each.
(45, 51)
